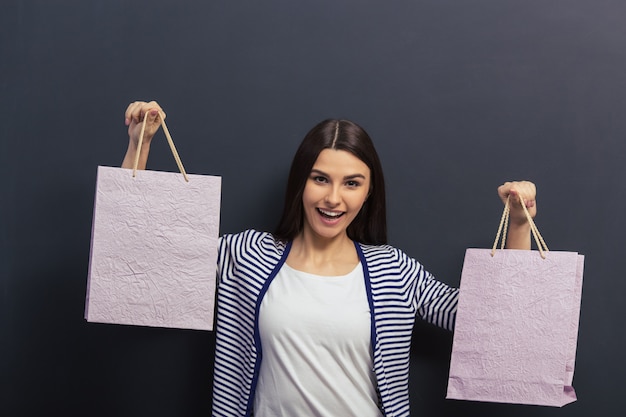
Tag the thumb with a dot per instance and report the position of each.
(152, 115)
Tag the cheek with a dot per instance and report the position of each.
(359, 202)
(307, 195)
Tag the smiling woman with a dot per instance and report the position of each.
(333, 197)
(307, 309)
(335, 191)
(370, 224)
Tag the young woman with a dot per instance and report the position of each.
(316, 318)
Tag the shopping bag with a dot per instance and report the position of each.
(516, 326)
(154, 249)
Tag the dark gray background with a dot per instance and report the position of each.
(458, 96)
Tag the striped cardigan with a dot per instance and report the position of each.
(398, 289)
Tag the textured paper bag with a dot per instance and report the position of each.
(516, 327)
(153, 249)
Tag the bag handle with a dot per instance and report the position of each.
(169, 140)
(504, 224)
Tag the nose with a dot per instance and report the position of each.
(333, 197)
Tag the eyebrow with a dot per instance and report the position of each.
(347, 177)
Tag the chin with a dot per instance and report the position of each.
(329, 234)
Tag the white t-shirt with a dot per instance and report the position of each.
(317, 354)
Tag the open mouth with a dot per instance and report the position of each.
(332, 215)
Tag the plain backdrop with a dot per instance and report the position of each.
(458, 96)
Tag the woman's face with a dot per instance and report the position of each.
(335, 191)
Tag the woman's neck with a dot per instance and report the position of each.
(330, 257)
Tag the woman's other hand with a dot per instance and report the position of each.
(133, 118)
(519, 192)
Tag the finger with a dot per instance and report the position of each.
(154, 110)
(517, 190)
(527, 191)
(136, 111)
(504, 191)
(152, 115)
(133, 112)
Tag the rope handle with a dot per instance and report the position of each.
(169, 140)
(504, 224)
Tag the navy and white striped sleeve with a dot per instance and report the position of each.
(436, 302)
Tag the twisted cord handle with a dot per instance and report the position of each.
(504, 223)
(169, 141)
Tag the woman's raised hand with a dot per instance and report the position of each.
(519, 228)
(518, 190)
(133, 118)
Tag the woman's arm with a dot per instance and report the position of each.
(518, 236)
(134, 116)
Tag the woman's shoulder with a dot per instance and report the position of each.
(380, 250)
(252, 238)
(388, 256)
(388, 265)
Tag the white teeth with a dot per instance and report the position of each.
(330, 213)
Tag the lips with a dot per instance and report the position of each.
(331, 215)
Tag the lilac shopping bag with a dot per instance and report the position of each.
(516, 327)
(154, 249)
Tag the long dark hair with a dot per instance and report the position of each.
(370, 225)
